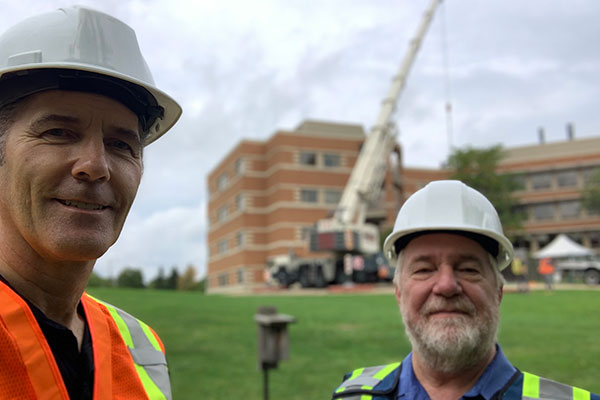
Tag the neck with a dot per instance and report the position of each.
(53, 287)
(449, 385)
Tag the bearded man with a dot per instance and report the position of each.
(449, 250)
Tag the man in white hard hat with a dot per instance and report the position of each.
(449, 249)
(77, 106)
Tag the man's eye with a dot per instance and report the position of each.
(119, 144)
(56, 133)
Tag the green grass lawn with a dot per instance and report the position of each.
(211, 340)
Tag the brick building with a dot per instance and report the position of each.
(552, 176)
(266, 195)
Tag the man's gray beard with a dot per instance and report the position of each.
(453, 344)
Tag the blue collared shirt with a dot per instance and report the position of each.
(495, 377)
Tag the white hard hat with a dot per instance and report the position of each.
(450, 206)
(81, 49)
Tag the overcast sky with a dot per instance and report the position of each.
(245, 69)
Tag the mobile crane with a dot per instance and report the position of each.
(347, 233)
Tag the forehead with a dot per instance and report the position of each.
(80, 105)
(443, 244)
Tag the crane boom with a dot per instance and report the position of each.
(365, 182)
(367, 176)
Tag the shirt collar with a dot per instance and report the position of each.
(494, 378)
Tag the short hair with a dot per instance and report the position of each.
(7, 114)
(492, 261)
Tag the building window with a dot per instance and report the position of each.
(239, 239)
(543, 212)
(308, 195)
(222, 246)
(308, 158)
(332, 196)
(569, 209)
(541, 181)
(240, 275)
(566, 178)
(239, 202)
(589, 174)
(331, 160)
(222, 214)
(223, 280)
(239, 166)
(520, 180)
(305, 232)
(222, 181)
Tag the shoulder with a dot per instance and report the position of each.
(379, 381)
(134, 331)
(532, 386)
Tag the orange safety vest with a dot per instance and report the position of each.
(129, 361)
(545, 267)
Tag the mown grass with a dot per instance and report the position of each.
(211, 340)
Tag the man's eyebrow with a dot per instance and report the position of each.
(51, 118)
(127, 133)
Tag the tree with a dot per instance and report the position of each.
(97, 281)
(171, 282)
(160, 282)
(187, 281)
(478, 168)
(130, 278)
(591, 193)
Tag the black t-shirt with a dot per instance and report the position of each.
(76, 367)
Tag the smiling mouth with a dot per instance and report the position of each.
(82, 205)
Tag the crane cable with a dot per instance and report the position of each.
(448, 106)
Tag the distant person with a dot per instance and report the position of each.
(519, 271)
(77, 106)
(449, 249)
(546, 269)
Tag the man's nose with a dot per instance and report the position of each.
(446, 284)
(91, 163)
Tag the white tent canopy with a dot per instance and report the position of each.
(563, 246)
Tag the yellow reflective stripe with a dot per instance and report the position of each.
(385, 371)
(121, 325)
(366, 387)
(150, 336)
(366, 397)
(153, 392)
(531, 385)
(354, 375)
(580, 394)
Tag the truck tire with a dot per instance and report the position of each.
(591, 277)
(320, 278)
(304, 276)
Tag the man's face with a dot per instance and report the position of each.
(71, 171)
(449, 300)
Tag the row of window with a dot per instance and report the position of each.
(223, 244)
(563, 210)
(223, 279)
(328, 160)
(223, 212)
(568, 178)
(223, 179)
(327, 196)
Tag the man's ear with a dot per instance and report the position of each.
(397, 294)
(500, 293)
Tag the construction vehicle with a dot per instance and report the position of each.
(352, 243)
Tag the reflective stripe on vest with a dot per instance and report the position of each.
(35, 352)
(363, 380)
(535, 387)
(147, 354)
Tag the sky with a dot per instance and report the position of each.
(246, 69)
